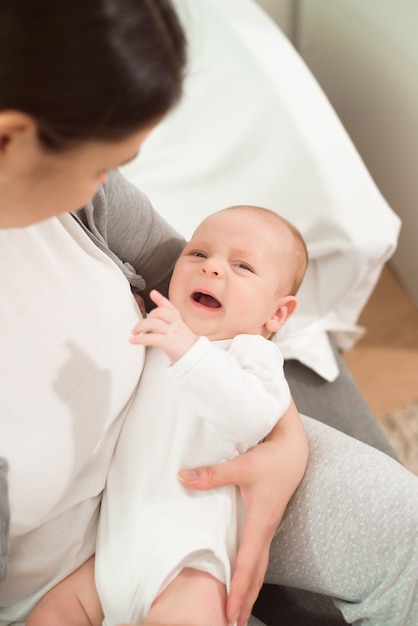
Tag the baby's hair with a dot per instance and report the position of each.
(301, 251)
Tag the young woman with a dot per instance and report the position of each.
(81, 85)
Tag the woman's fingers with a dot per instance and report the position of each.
(250, 569)
(232, 472)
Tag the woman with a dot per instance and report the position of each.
(81, 85)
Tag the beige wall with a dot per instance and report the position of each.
(364, 53)
(282, 12)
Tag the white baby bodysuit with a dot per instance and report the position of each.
(219, 399)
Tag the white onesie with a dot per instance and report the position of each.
(215, 402)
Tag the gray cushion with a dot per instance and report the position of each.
(341, 405)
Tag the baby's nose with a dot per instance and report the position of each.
(211, 267)
(206, 270)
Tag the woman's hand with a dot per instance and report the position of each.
(267, 476)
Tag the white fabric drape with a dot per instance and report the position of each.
(254, 127)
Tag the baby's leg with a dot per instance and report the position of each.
(73, 602)
(193, 598)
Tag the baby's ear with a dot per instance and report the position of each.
(286, 308)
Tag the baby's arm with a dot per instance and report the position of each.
(164, 329)
(240, 391)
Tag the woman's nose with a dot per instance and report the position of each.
(103, 177)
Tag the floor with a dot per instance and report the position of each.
(384, 362)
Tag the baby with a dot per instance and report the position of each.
(212, 386)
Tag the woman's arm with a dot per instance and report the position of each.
(280, 461)
(121, 220)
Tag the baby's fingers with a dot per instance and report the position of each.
(164, 310)
(137, 329)
(159, 299)
(150, 325)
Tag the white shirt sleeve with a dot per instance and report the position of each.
(238, 386)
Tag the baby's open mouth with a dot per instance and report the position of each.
(206, 300)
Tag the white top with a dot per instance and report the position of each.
(66, 302)
(213, 403)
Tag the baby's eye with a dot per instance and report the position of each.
(199, 254)
(244, 266)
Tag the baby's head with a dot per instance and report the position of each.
(239, 273)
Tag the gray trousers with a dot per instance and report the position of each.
(349, 537)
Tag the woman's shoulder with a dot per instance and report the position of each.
(116, 195)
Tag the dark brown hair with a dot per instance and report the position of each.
(90, 69)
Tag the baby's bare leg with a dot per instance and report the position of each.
(73, 602)
(193, 598)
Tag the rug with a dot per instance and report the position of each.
(401, 428)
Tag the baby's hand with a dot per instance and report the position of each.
(164, 329)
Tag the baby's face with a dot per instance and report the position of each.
(228, 280)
